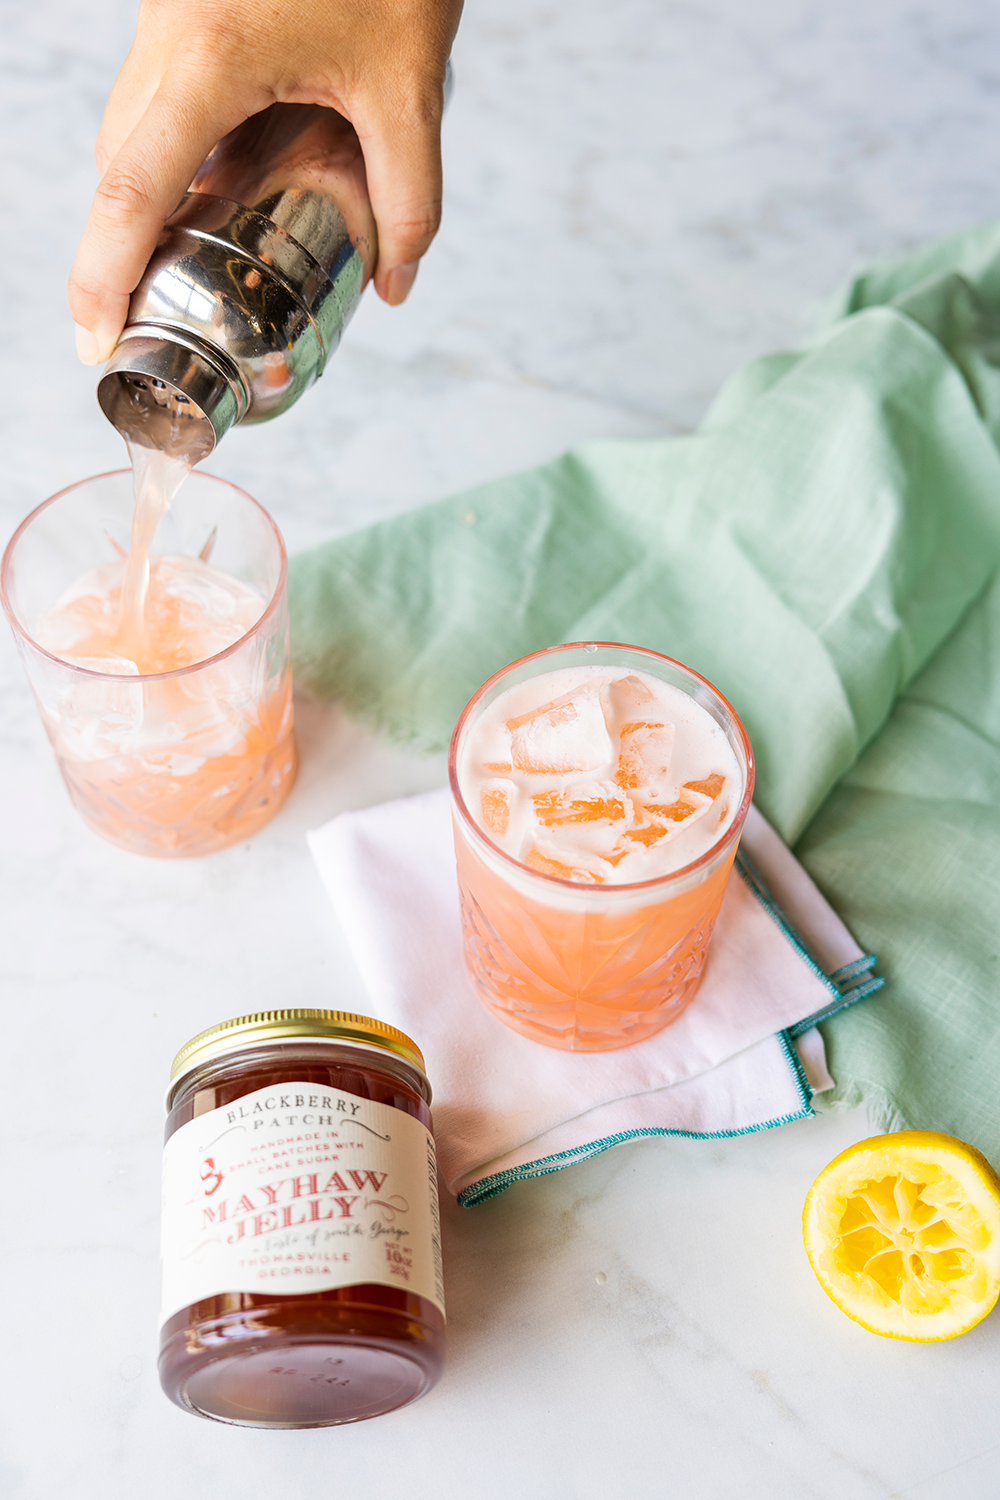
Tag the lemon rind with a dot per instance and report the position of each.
(883, 1156)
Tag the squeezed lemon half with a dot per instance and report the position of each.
(903, 1232)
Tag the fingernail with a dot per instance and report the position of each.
(86, 345)
(401, 279)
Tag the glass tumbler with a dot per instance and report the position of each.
(168, 763)
(589, 968)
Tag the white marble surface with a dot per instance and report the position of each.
(640, 196)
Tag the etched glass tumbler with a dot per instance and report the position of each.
(589, 968)
(167, 763)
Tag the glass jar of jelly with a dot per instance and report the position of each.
(301, 1234)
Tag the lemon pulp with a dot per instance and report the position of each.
(903, 1233)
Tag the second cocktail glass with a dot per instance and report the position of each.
(583, 967)
(166, 763)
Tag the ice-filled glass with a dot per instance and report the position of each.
(597, 811)
(181, 760)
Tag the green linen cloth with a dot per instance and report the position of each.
(825, 548)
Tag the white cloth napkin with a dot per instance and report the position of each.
(745, 1054)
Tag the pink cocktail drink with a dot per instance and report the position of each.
(599, 793)
(170, 718)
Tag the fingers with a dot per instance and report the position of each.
(402, 150)
(142, 185)
(194, 74)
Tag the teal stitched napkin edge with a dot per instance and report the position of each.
(847, 985)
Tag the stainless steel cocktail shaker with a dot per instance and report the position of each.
(251, 285)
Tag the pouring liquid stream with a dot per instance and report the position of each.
(157, 475)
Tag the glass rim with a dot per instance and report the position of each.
(735, 828)
(195, 666)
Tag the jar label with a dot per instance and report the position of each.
(299, 1188)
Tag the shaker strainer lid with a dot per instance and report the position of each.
(161, 390)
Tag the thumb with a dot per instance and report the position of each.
(140, 189)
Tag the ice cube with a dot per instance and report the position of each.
(97, 587)
(200, 714)
(98, 716)
(85, 614)
(568, 734)
(629, 697)
(492, 746)
(687, 805)
(197, 607)
(648, 835)
(494, 804)
(548, 866)
(710, 787)
(555, 808)
(644, 753)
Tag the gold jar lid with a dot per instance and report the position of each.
(286, 1025)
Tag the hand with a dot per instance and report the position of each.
(199, 68)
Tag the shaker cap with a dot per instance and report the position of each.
(163, 388)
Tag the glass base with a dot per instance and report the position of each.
(555, 1031)
(626, 1008)
(181, 817)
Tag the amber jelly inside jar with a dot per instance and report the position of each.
(301, 1236)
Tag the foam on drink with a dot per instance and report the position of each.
(599, 775)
